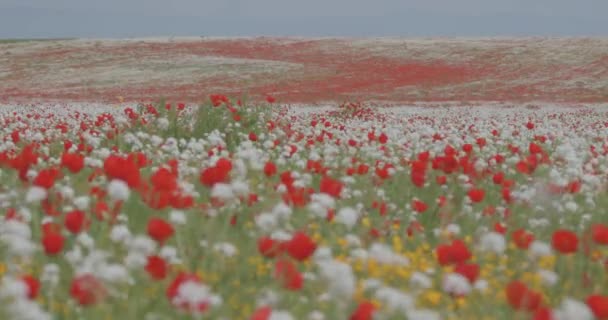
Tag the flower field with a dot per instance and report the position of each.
(307, 70)
(258, 211)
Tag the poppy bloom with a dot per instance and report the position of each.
(288, 275)
(476, 195)
(87, 290)
(301, 246)
(216, 174)
(454, 253)
(598, 305)
(156, 267)
(269, 247)
(75, 221)
(262, 313)
(419, 206)
(331, 186)
(365, 311)
(46, 178)
(468, 270)
(159, 229)
(599, 233)
(522, 298)
(270, 169)
(565, 241)
(72, 161)
(33, 286)
(52, 242)
(522, 238)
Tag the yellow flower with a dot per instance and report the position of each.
(365, 222)
(431, 297)
(461, 302)
(547, 262)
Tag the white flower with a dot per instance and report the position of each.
(82, 202)
(423, 315)
(420, 280)
(177, 217)
(114, 273)
(540, 249)
(13, 288)
(316, 315)
(453, 229)
(268, 298)
(280, 315)
(193, 294)
(240, 188)
(135, 260)
(493, 241)
(348, 217)
(162, 123)
(548, 277)
(480, 285)
(383, 254)
(118, 190)
(395, 300)
(85, 240)
(35, 194)
(169, 253)
(50, 274)
(266, 221)
(120, 233)
(340, 278)
(142, 244)
(322, 253)
(225, 248)
(222, 191)
(282, 211)
(457, 284)
(571, 309)
(281, 235)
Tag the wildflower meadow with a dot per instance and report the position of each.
(236, 209)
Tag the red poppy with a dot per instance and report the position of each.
(156, 267)
(72, 161)
(476, 195)
(270, 169)
(599, 233)
(599, 305)
(122, 168)
(468, 270)
(454, 253)
(268, 247)
(164, 180)
(33, 286)
(419, 206)
(75, 221)
(331, 186)
(262, 313)
(522, 238)
(301, 246)
(87, 290)
(159, 229)
(522, 298)
(287, 273)
(52, 242)
(365, 311)
(565, 241)
(46, 178)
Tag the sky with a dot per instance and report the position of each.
(350, 18)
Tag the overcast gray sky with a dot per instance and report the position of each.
(131, 18)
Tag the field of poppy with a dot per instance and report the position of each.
(259, 211)
(307, 70)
